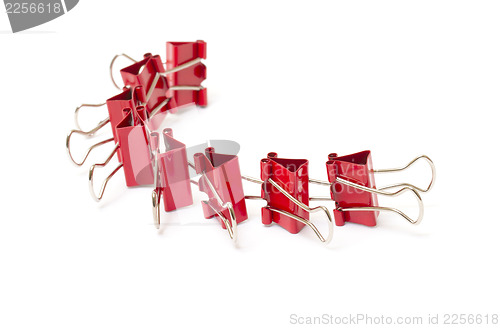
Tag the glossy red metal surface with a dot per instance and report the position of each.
(179, 53)
(174, 174)
(223, 173)
(134, 147)
(356, 168)
(118, 107)
(292, 175)
(141, 78)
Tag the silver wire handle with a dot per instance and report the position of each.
(77, 110)
(231, 225)
(156, 193)
(103, 186)
(379, 192)
(307, 209)
(303, 206)
(385, 193)
(421, 157)
(113, 63)
(148, 95)
(86, 133)
(155, 197)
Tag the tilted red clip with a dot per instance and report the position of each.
(146, 77)
(185, 83)
(221, 181)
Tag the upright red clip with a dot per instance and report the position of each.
(176, 185)
(134, 146)
(172, 180)
(352, 187)
(185, 72)
(291, 175)
(285, 187)
(221, 181)
(356, 168)
(118, 107)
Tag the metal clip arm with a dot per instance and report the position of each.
(230, 224)
(113, 63)
(77, 111)
(86, 133)
(307, 209)
(385, 193)
(103, 186)
(404, 184)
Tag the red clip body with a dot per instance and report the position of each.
(223, 173)
(118, 107)
(134, 148)
(179, 53)
(141, 77)
(292, 175)
(175, 182)
(356, 168)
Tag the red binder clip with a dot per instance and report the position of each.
(171, 175)
(185, 72)
(146, 78)
(118, 107)
(133, 144)
(221, 181)
(285, 187)
(352, 187)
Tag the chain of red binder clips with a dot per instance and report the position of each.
(153, 88)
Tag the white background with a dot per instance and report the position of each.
(401, 78)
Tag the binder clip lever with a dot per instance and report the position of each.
(88, 134)
(399, 169)
(103, 186)
(307, 209)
